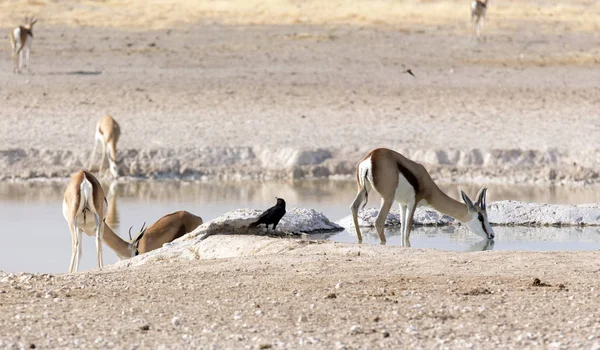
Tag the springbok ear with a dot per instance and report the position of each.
(467, 201)
(481, 198)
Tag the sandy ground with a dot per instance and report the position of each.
(296, 89)
(225, 94)
(329, 296)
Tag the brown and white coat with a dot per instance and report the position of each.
(397, 178)
(478, 10)
(107, 133)
(84, 208)
(21, 38)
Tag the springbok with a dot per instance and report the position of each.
(84, 207)
(21, 38)
(397, 178)
(478, 9)
(108, 132)
(165, 230)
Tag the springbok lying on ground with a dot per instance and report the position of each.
(21, 39)
(397, 178)
(84, 208)
(108, 132)
(478, 10)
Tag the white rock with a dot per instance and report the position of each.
(522, 213)
(176, 321)
(499, 213)
(192, 246)
(423, 216)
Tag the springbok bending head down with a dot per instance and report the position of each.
(397, 178)
(108, 132)
(21, 38)
(164, 230)
(84, 208)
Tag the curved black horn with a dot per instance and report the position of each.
(130, 233)
(482, 200)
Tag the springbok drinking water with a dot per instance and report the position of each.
(397, 178)
(108, 132)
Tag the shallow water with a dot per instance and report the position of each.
(36, 237)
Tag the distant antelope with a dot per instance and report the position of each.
(107, 133)
(165, 230)
(20, 40)
(397, 178)
(84, 207)
(478, 9)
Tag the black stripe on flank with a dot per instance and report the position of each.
(409, 176)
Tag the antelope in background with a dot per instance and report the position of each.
(20, 40)
(108, 132)
(397, 178)
(84, 208)
(478, 9)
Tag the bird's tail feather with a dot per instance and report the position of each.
(254, 224)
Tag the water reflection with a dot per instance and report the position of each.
(112, 213)
(37, 238)
(330, 191)
(459, 238)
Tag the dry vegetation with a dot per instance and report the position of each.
(576, 15)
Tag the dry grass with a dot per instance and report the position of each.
(579, 15)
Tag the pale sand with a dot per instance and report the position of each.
(389, 298)
(207, 98)
(235, 90)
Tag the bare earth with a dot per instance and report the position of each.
(224, 94)
(286, 89)
(389, 298)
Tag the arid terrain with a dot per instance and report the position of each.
(296, 89)
(302, 295)
(290, 89)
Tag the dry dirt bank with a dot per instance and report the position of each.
(386, 297)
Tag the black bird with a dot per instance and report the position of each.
(409, 72)
(271, 215)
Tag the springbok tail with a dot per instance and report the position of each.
(363, 178)
(86, 191)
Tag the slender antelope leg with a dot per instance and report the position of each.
(79, 249)
(402, 220)
(386, 205)
(93, 154)
(27, 60)
(354, 207)
(99, 232)
(410, 212)
(15, 55)
(103, 151)
(21, 59)
(482, 24)
(74, 244)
